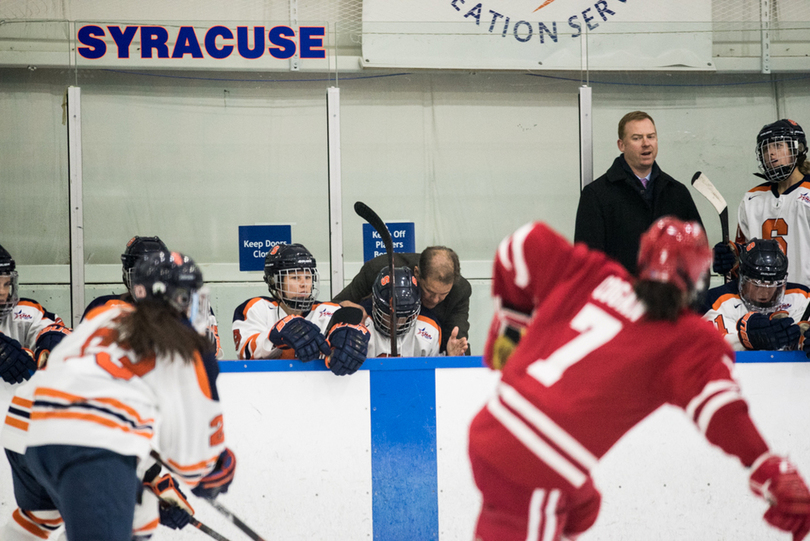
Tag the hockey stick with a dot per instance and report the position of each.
(196, 523)
(707, 190)
(218, 506)
(374, 220)
(233, 518)
(205, 529)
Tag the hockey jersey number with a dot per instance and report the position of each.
(596, 328)
(776, 229)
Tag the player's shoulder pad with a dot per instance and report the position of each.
(31, 303)
(428, 324)
(104, 300)
(717, 295)
(240, 313)
(764, 187)
(793, 287)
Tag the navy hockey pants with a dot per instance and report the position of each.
(94, 489)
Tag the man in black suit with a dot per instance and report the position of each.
(444, 291)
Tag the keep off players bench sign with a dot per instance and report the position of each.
(256, 240)
(402, 234)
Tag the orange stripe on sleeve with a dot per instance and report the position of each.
(22, 402)
(89, 417)
(16, 423)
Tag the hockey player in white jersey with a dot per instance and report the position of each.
(28, 333)
(761, 310)
(292, 324)
(131, 380)
(418, 334)
(780, 207)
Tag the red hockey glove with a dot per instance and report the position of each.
(777, 481)
(219, 479)
(349, 348)
(303, 336)
(507, 328)
(175, 511)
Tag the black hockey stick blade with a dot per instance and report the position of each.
(365, 212)
(237, 522)
(207, 530)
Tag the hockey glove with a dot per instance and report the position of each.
(726, 257)
(16, 363)
(777, 481)
(349, 348)
(507, 328)
(48, 339)
(175, 511)
(758, 331)
(303, 336)
(218, 481)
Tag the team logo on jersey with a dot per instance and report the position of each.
(804, 198)
(325, 312)
(19, 314)
(420, 331)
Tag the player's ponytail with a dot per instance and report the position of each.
(154, 327)
(664, 301)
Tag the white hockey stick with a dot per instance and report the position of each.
(702, 184)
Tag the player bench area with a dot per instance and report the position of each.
(382, 454)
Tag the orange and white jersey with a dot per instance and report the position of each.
(26, 323)
(423, 340)
(726, 308)
(254, 318)
(100, 304)
(765, 215)
(95, 391)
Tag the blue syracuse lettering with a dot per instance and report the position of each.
(218, 42)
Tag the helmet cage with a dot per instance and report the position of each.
(279, 286)
(790, 149)
(408, 297)
(752, 304)
(13, 297)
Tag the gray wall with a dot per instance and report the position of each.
(467, 156)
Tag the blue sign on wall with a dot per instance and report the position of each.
(256, 240)
(403, 237)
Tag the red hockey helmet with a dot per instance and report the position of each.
(675, 252)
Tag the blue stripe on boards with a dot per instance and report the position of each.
(404, 477)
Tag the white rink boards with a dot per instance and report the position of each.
(304, 441)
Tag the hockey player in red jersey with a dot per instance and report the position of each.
(587, 352)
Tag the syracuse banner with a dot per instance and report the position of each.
(538, 34)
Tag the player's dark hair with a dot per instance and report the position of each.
(663, 301)
(433, 266)
(154, 327)
(630, 117)
(803, 165)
